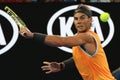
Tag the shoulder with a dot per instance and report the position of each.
(85, 36)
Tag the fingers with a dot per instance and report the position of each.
(47, 66)
(48, 69)
(25, 32)
(22, 34)
(46, 62)
(48, 72)
(24, 29)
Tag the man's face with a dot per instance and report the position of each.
(82, 22)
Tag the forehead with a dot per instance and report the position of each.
(79, 14)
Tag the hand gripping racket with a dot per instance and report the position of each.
(15, 17)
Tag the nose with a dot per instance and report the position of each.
(79, 21)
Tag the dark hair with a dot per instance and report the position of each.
(83, 9)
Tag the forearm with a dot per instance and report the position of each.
(47, 39)
(56, 40)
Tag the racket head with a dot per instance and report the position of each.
(15, 17)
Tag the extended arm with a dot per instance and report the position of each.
(55, 40)
(83, 38)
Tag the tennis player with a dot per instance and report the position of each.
(88, 54)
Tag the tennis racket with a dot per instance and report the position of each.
(15, 17)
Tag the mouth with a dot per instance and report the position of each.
(80, 26)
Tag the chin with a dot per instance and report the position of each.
(81, 31)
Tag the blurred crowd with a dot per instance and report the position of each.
(18, 0)
(81, 0)
(59, 1)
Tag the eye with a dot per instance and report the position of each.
(82, 17)
(75, 18)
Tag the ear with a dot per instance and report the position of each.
(90, 19)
